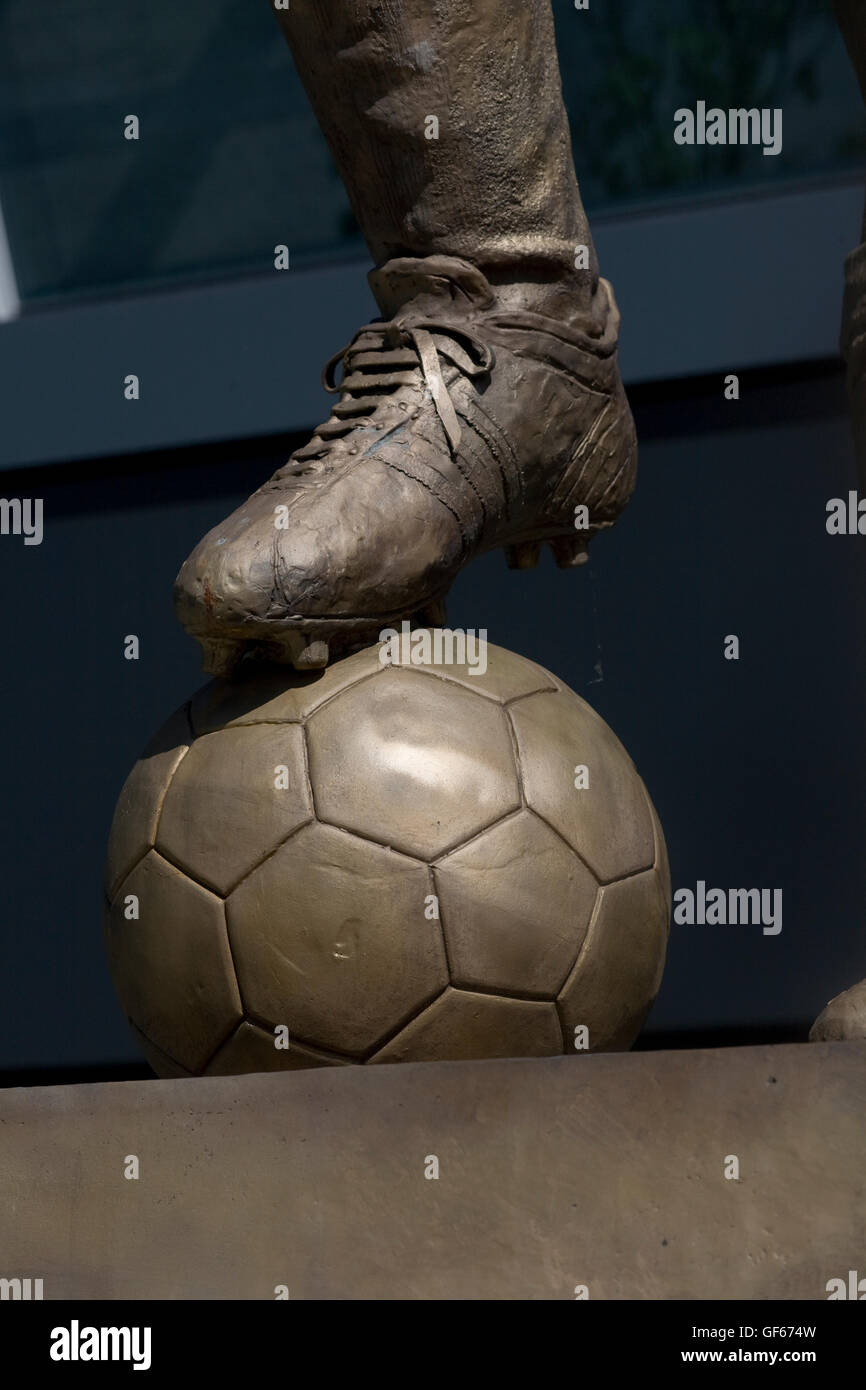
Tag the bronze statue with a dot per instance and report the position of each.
(431, 879)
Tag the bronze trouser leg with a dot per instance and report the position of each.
(851, 15)
(498, 186)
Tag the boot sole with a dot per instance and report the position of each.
(310, 644)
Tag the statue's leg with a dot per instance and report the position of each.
(485, 409)
(495, 183)
(845, 1016)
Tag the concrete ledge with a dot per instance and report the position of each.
(606, 1171)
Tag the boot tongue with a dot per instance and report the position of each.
(430, 284)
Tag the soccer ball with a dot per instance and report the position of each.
(384, 862)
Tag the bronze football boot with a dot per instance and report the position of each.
(461, 425)
(484, 409)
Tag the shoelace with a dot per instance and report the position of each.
(383, 356)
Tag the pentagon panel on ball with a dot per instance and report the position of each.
(388, 860)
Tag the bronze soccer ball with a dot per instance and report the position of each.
(382, 863)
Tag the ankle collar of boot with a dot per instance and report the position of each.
(407, 278)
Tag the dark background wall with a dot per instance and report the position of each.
(756, 766)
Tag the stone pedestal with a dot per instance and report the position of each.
(606, 1171)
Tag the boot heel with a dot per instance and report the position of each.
(570, 551)
(522, 556)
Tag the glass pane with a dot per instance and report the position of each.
(230, 160)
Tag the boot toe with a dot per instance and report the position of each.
(368, 544)
(228, 581)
